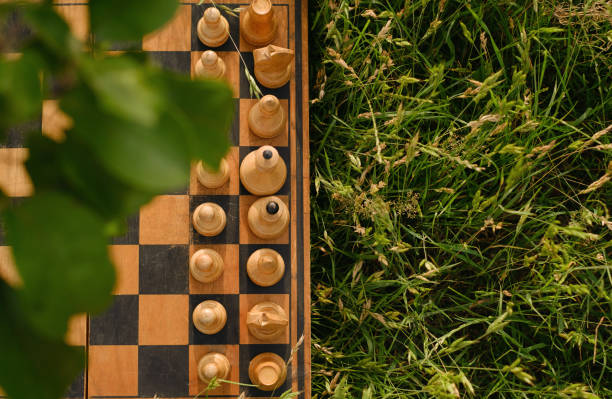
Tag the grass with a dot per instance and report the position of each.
(461, 230)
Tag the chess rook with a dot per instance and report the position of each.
(267, 321)
(263, 171)
(209, 317)
(273, 65)
(209, 219)
(267, 118)
(265, 267)
(258, 24)
(206, 265)
(210, 66)
(268, 217)
(210, 178)
(268, 371)
(213, 28)
(213, 364)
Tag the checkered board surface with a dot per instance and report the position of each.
(145, 344)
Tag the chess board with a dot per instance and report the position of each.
(146, 345)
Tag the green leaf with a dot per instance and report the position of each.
(81, 176)
(206, 110)
(33, 365)
(129, 20)
(51, 30)
(20, 92)
(123, 89)
(60, 250)
(150, 158)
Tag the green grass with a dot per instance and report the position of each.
(461, 229)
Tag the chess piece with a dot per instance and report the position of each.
(265, 267)
(268, 217)
(210, 178)
(263, 171)
(268, 371)
(213, 364)
(267, 321)
(210, 66)
(213, 28)
(273, 65)
(209, 317)
(206, 265)
(209, 219)
(257, 23)
(267, 118)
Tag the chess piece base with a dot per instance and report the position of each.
(269, 327)
(269, 226)
(212, 41)
(215, 226)
(213, 364)
(209, 317)
(265, 267)
(214, 269)
(268, 371)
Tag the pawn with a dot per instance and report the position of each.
(210, 178)
(265, 267)
(210, 66)
(257, 23)
(206, 265)
(263, 171)
(213, 28)
(267, 118)
(267, 321)
(273, 65)
(209, 219)
(268, 371)
(209, 317)
(268, 217)
(213, 364)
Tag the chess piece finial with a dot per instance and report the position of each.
(267, 118)
(209, 317)
(268, 217)
(213, 28)
(213, 364)
(268, 371)
(265, 267)
(210, 178)
(273, 65)
(206, 265)
(267, 321)
(210, 66)
(257, 23)
(209, 219)
(263, 171)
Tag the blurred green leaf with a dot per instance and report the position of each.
(20, 93)
(51, 29)
(53, 230)
(129, 20)
(149, 158)
(205, 109)
(33, 365)
(123, 89)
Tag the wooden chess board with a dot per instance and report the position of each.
(146, 345)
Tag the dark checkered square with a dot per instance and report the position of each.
(130, 236)
(163, 269)
(118, 325)
(163, 371)
(176, 61)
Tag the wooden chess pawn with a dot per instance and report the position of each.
(209, 317)
(210, 178)
(273, 65)
(267, 321)
(209, 219)
(210, 66)
(268, 217)
(213, 364)
(213, 28)
(267, 118)
(257, 23)
(206, 265)
(268, 371)
(265, 267)
(263, 171)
